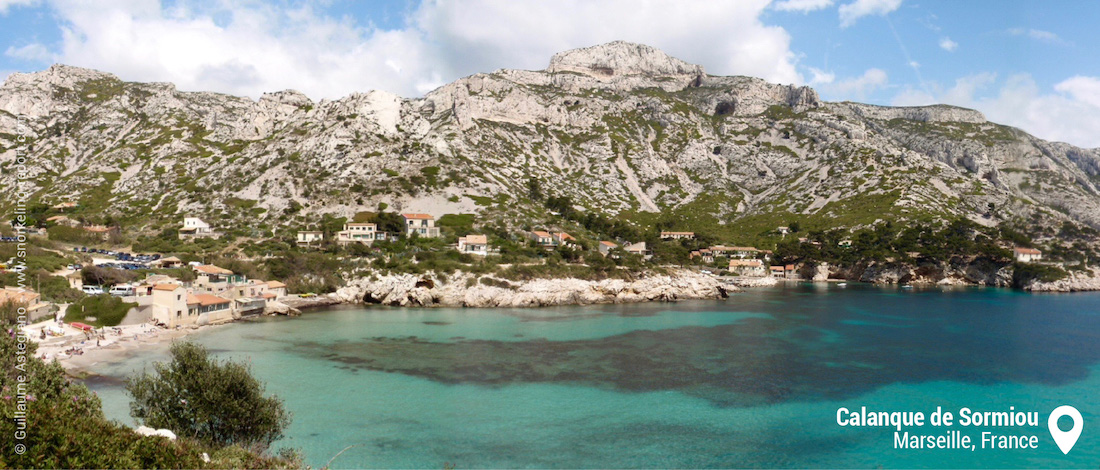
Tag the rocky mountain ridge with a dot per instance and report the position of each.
(621, 128)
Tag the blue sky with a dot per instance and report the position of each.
(1025, 64)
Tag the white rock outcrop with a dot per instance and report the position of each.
(466, 290)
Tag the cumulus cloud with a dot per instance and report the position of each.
(803, 6)
(948, 45)
(820, 77)
(859, 87)
(247, 48)
(851, 12)
(1068, 113)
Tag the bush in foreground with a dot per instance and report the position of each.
(217, 403)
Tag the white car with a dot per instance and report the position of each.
(92, 290)
(121, 290)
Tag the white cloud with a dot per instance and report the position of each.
(1037, 34)
(851, 12)
(34, 52)
(1071, 113)
(859, 87)
(5, 5)
(802, 6)
(948, 45)
(820, 77)
(247, 48)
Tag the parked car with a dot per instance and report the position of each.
(122, 290)
(92, 290)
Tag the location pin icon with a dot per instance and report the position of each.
(1065, 439)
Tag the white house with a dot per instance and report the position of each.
(563, 239)
(676, 235)
(606, 247)
(474, 244)
(359, 232)
(309, 237)
(1027, 255)
(638, 249)
(194, 227)
(421, 224)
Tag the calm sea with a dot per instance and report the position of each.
(753, 381)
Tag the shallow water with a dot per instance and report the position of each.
(754, 381)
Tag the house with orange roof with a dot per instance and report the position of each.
(1027, 255)
(422, 225)
(210, 278)
(29, 300)
(541, 238)
(605, 247)
(563, 239)
(747, 268)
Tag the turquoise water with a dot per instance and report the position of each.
(753, 381)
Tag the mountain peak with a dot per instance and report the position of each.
(621, 58)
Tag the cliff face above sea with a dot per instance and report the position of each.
(469, 290)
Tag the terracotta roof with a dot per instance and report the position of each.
(211, 269)
(564, 236)
(168, 287)
(275, 284)
(476, 239)
(269, 295)
(192, 299)
(17, 295)
(540, 234)
(207, 299)
(171, 259)
(777, 268)
(745, 262)
(354, 224)
(417, 216)
(607, 243)
(1027, 251)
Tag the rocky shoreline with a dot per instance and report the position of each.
(482, 291)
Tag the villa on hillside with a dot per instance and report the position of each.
(563, 239)
(474, 244)
(742, 252)
(309, 237)
(541, 238)
(194, 227)
(421, 224)
(677, 235)
(1027, 255)
(747, 267)
(359, 232)
(704, 254)
(638, 249)
(214, 279)
(606, 247)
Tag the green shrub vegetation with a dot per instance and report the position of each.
(107, 310)
(216, 403)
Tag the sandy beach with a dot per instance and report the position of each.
(80, 351)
